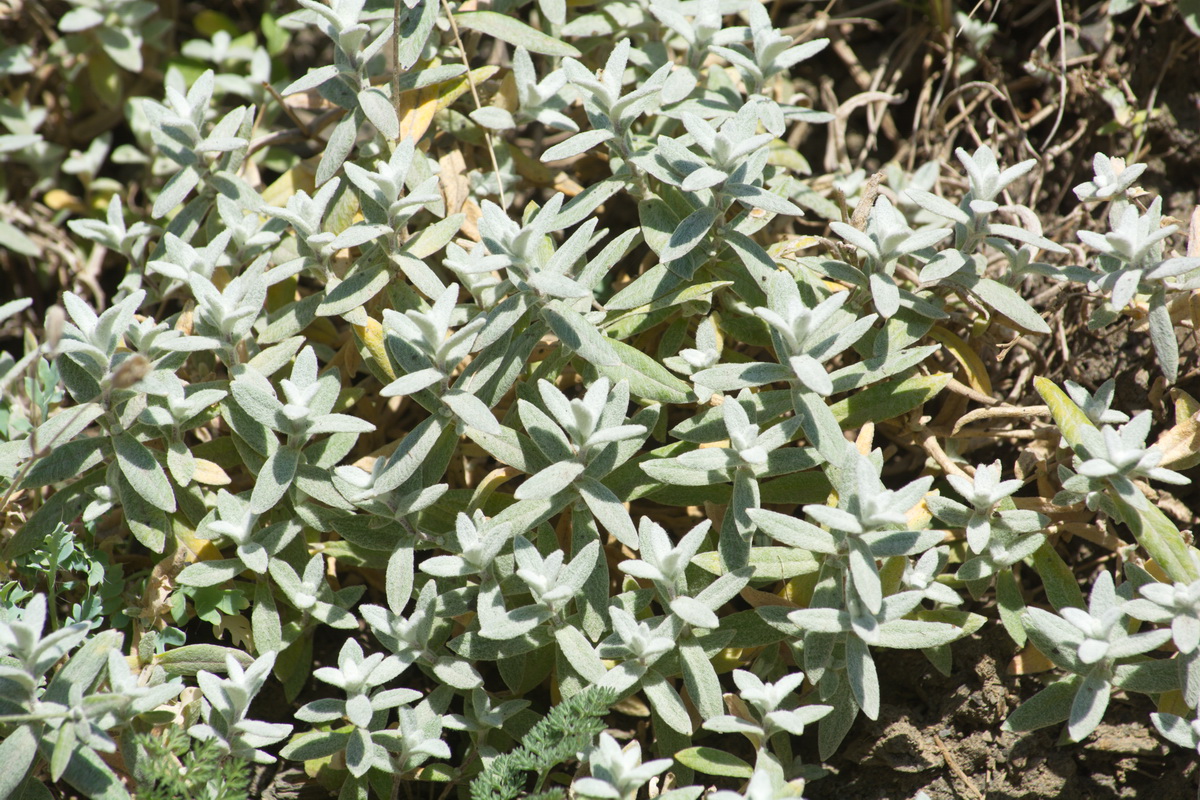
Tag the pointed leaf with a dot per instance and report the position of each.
(689, 234)
(510, 29)
(273, 479)
(711, 761)
(143, 472)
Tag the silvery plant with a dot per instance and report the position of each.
(1131, 260)
(456, 434)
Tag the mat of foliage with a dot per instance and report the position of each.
(665, 398)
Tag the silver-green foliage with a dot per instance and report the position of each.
(218, 364)
(69, 718)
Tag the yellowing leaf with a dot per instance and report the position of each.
(1029, 661)
(1172, 703)
(456, 88)
(238, 628)
(371, 335)
(489, 484)
(891, 573)
(1181, 444)
(209, 473)
(968, 359)
(1155, 569)
(436, 773)
(732, 658)
(58, 199)
(633, 706)
(418, 107)
(758, 598)
(563, 183)
(790, 248)
(799, 590)
(194, 549)
(1070, 419)
(918, 515)
(456, 188)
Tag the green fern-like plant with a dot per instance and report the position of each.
(179, 767)
(568, 729)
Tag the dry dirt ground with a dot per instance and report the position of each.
(942, 734)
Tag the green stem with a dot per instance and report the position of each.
(15, 719)
(52, 582)
(641, 187)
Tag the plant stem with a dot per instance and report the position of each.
(487, 136)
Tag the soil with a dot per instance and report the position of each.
(941, 735)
